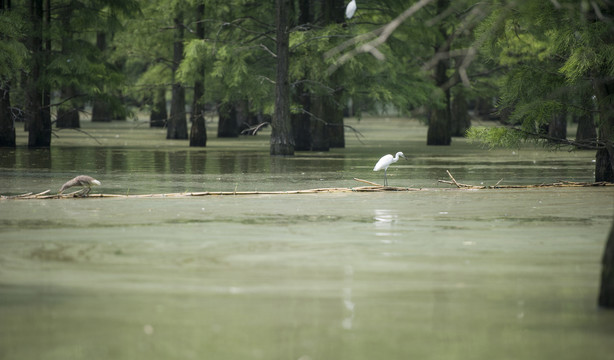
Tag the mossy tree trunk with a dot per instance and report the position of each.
(301, 125)
(282, 141)
(38, 123)
(198, 131)
(177, 127)
(334, 13)
(439, 122)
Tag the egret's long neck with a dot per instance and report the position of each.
(396, 158)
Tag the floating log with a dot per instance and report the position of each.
(374, 187)
(78, 194)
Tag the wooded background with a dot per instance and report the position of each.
(534, 66)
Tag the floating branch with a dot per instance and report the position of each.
(561, 183)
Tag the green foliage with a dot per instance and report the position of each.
(13, 53)
(73, 60)
(236, 59)
(495, 136)
(554, 56)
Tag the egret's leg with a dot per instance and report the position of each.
(385, 177)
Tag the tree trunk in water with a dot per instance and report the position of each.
(198, 131)
(301, 123)
(282, 142)
(438, 132)
(101, 111)
(606, 293)
(245, 118)
(228, 124)
(68, 118)
(558, 126)
(47, 55)
(177, 127)
(301, 128)
(604, 162)
(158, 115)
(39, 125)
(439, 123)
(7, 125)
(333, 12)
(587, 131)
(334, 114)
(320, 134)
(459, 115)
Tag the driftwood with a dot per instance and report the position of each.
(561, 183)
(373, 187)
(79, 194)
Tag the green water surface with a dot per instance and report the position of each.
(433, 274)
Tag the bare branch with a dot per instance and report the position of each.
(268, 50)
(63, 101)
(381, 35)
(357, 133)
(591, 144)
(254, 129)
(264, 78)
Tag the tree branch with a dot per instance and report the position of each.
(63, 101)
(268, 50)
(380, 36)
(357, 133)
(591, 144)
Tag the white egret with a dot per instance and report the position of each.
(350, 9)
(386, 161)
(86, 182)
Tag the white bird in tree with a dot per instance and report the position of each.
(386, 161)
(86, 182)
(350, 9)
